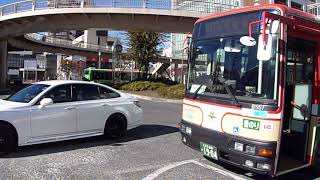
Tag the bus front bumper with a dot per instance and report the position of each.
(224, 145)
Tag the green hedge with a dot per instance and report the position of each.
(176, 91)
(167, 91)
(142, 86)
(163, 80)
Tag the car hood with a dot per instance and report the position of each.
(4, 105)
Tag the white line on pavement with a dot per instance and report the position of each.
(194, 161)
(219, 171)
(166, 168)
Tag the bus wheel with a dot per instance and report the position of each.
(8, 140)
(316, 161)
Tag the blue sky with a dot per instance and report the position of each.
(2, 2)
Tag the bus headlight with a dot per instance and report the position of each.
(186, 129)
(238, 146)
(263, 166)
(250, 149)
(248, 163)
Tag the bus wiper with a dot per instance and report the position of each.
(228, 89)
(197, 90)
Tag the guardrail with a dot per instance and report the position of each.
(200, 6)
(49, 40)
(314, 9)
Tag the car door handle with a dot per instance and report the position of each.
(104, 105)
(69, 108)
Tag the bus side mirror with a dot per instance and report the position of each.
(275, 26)
(264, 52)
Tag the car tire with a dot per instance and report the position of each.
(8, 140)
(116, 126)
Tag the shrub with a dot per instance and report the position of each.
(141, 86)
(161, 79)
(176, 91)
(166, 91)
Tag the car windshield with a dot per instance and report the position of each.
(28, 93)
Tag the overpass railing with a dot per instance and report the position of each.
(58, 42)
(199, 6)
(314, 9)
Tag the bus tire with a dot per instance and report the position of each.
(316, 161)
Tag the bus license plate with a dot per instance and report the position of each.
(209, 150)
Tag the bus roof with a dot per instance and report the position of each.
(283, 8)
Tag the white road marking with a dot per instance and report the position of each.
(219, 171)
(194, 161)
(166, 168)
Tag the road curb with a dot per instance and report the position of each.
(148, 98)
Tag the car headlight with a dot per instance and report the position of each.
(137, 103)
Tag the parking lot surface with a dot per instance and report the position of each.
(152, 151)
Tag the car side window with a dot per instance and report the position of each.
(60, 94)
(106, 93)
(85, 92)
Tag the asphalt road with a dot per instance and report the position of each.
(152, 151)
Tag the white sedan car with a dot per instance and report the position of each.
(61, 110)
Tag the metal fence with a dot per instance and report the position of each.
(41, 38)
(314, 9)
(200, 6)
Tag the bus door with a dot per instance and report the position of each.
(300, 56)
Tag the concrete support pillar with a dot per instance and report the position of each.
(176, 73)
(82, 4)
(144, 3)
(3, 63)
(33, 5)
(174, 4)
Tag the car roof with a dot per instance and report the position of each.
(60, 82)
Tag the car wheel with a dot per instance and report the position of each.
(116, 126)
(8, 140)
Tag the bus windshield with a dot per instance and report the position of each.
(219, 59)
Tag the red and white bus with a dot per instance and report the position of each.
(253, 90)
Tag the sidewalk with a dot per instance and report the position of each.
(155, 99)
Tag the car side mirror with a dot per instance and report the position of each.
(45, 102)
